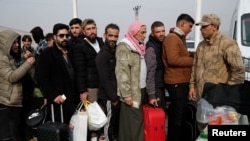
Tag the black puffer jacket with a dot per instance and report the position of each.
(75, 40)
(83, 58)
(105, 63)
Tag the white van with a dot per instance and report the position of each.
(240, 31)
(190, 45)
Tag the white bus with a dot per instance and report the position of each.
(240, 31)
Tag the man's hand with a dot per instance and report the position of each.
(128, 100)
(192, 94)
(59, 99)
(115, 102)
(153, 102)
(27, 54)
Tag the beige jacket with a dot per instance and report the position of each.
(10, 75)
(128, 72)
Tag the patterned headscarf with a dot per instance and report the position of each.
(133, 29)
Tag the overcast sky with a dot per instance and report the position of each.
(26, 14)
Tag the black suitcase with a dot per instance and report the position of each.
(190, 128)
(53, 131)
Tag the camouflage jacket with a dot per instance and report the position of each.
(218, 60)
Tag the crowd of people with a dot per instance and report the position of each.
(73, 64)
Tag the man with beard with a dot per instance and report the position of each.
(131, 72)
(155, 68)
(83, 58)
(55, 75)
(107, 93)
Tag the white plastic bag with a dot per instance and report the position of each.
(80, 121)
(206, 113)
(204, 110)
(228, 115)
(96, 117)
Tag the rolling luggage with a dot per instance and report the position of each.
(190, 128)
(53, 131)
(154, 123)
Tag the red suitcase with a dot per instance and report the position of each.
(154, 123)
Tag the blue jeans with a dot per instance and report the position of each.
(10, 121)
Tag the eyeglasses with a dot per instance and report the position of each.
(63, 35)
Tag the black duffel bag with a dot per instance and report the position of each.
(237, 96)
(36, 117)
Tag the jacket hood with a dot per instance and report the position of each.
(7, 37)
(154, 40)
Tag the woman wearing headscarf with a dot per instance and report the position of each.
(131, 81)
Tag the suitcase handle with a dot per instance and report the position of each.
(151, 105)
(53, 114)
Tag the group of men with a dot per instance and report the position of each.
(122, 77)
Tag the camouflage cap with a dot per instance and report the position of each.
(209, 19)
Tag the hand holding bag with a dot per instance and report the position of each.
(80, 122)
(96, 117)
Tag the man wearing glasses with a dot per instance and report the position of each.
(55, 75)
